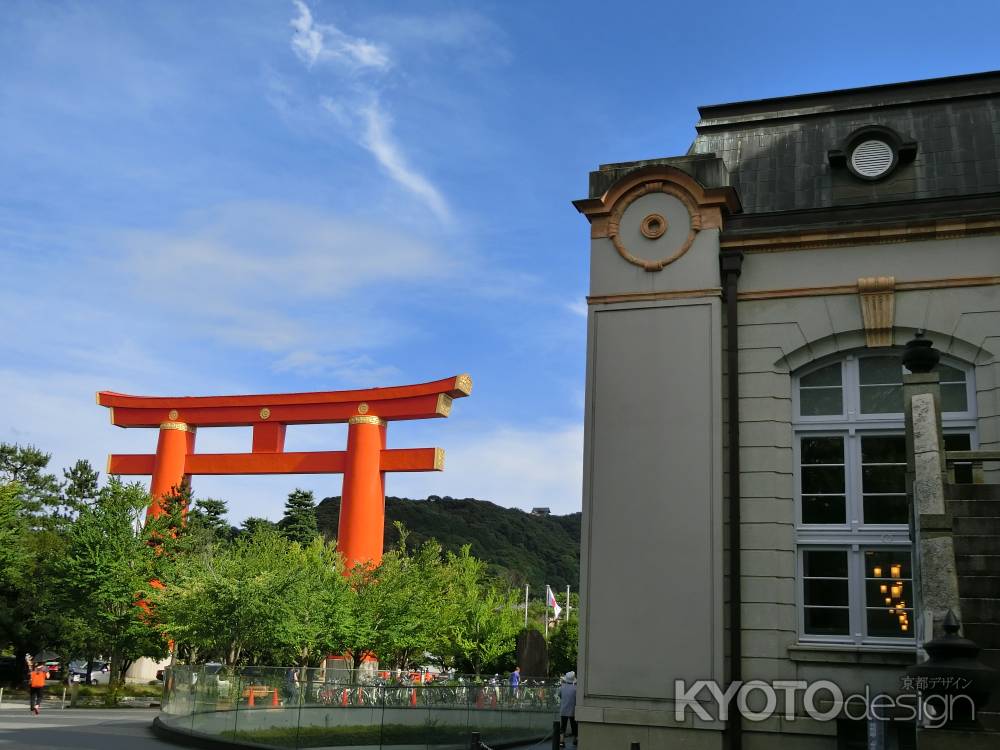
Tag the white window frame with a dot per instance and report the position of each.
(854, 536)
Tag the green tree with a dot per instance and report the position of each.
(30, 617)
(13, 530)
(26, 466)
(395, 609)
(482, 618)
(230, 600)
(314, 611)
(210, 515)
(81, 484)
(107, 570)
(563, 647)
(253, 523)
(299, 521)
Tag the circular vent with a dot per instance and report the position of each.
(872, 158)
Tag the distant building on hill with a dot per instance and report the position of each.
(540, 511)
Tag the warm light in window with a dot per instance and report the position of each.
(904, 627)
(888, 600)
(894, 571)
(883, 589)
(877, 572)
(897, 591)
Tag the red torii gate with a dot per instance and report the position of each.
(363, 464)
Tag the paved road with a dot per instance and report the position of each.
(83, 728)
(95, 729)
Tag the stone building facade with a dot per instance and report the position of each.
(787, 257)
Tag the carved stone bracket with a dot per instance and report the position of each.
(878, 309)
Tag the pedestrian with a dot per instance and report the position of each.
(515, 682)
(292, 686)
(567, 705)
(37, 684)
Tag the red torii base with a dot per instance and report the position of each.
(363, 464)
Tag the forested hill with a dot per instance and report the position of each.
(538, 550)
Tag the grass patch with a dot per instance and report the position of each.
(389, 734)
(126, 691)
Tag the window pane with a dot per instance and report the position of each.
(950, 374)
(826, 592)
(822, 450)
(883, 449)
(878, 590)
(888, 593)
(829, 375)
(880, 370)
(884, 564)
(953, 397)
(883, 478)
(892, 509)
(819, 401)
(824, 509)
(882, 624)
(822, 621)
(822, 480)
(825, 563)
(881, 399)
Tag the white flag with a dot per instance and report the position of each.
(550, 599)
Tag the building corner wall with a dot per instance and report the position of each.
(651, 560)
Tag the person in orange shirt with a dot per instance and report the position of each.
(37, 682)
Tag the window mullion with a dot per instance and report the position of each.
(856, 592)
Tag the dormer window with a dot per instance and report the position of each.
(873, 152)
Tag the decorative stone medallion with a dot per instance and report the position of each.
(654, 226)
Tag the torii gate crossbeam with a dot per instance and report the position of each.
(363, 464)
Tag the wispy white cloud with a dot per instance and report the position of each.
(358, 108)
(578, 307)
(349, 371)
(313, 42)
(378, 139)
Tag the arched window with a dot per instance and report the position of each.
(852, 515)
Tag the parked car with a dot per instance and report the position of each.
(99, 675)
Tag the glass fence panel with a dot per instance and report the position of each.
(286, 707)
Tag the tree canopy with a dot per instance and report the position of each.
(84, 573)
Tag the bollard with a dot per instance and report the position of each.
(555, 735)
(63, 706)
(474, 743)
(1, 696)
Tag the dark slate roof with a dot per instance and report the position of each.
(775, 150)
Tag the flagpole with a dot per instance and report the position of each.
(546, 612)
(567, 603)
(526, 606)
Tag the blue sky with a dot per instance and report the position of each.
(241, 197)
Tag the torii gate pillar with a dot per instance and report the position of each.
(363, 464)
(362, 502)
(176, 441)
